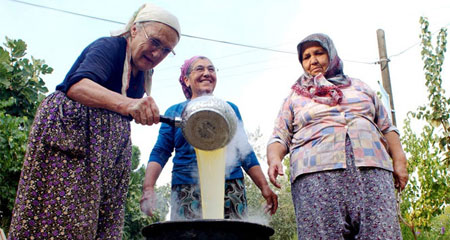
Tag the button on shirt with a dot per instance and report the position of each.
(315, 133)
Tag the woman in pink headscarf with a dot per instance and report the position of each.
(198, 78)
(77, 166)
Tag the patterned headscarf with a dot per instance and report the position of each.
(146, 13)
(184, 72)
(322, 88)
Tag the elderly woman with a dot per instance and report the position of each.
(341, 141)
(198, 77)
(76, 171)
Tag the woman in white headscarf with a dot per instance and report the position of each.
(76, 170)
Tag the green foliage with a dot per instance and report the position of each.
(437, 112)
(440, 226)
(427, 193)
(21, 91)
(20, 79)
(13, 137)
(283, 221)
(135, 220)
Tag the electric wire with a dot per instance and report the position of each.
(417, 43)
(215, 40)
(185, 35)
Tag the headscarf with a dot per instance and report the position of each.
(322, 88)
(184, 70)
(146, 13)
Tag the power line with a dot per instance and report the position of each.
(68, 12)
(238, 44)
(209, 39)
(185, 35)
(415, 44)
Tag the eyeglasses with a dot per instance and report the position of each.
(157, 44)
(201, 68)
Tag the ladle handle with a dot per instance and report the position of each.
(171, 121)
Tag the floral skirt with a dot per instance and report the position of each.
(186, 201)
(352, 203)
(75, 174)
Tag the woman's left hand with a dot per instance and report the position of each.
(399, 160)
(401, 175)
(271, 200)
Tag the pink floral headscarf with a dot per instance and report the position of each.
(184, 70)
(322, 88)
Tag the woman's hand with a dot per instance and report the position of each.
(401, 176)
(87, 92)
(398, 159)
(144, 110)
(259, 179)
(149, 198)
(400, 170)
(275, 169)
(148, 202)
(275, 153)
(271, 200)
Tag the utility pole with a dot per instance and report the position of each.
(385, 70)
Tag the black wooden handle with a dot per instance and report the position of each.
(168, 120)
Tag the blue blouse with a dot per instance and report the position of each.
(102, 62)
(185, 169)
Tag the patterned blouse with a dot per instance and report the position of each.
(315, 133)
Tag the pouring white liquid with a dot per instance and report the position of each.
(211, 169)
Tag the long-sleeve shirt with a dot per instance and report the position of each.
(315, 133)
(185, 170)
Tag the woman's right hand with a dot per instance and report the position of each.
(89, 93)
(148, 202)
(275, 169)
(275, 153)
(144, 110)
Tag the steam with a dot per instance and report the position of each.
(154, 204)
(258, 216)
(237, 149)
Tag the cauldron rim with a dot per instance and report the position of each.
(208, 223)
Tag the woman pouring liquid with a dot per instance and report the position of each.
(198, 78)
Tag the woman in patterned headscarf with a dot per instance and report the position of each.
(77, 166)
(198, 78)
(341, 141)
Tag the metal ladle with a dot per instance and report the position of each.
(207, 123)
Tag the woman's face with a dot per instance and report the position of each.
(202, 78)
(144, 54)
(314, 58)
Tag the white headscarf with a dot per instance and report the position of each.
(147, 12)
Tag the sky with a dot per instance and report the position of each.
(255, 80)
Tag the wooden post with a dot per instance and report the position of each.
(385, 70)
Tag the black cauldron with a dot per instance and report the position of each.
(203, 229)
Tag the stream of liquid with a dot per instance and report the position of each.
(211, 168)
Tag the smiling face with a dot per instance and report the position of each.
(201, 78)
(315, 58)
(144, 54)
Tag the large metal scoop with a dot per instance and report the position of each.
(207, 123)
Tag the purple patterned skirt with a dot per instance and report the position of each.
(75, 174)
(352, 203)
